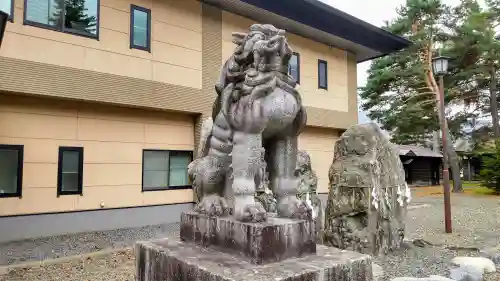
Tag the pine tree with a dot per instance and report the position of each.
(401, 92)
(490, 173)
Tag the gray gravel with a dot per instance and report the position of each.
(476, 224)
(81, 243)
(116, 266)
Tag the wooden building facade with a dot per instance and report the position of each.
(422, 166)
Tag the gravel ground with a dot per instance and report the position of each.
(77, 244)
(119, 266)
(476, 223)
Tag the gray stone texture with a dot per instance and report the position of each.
(271, 241)
(492, 253)
(480, 263)
(257, 117)
(173, 260)
(368, 195)
(308, 186)
(466, 273)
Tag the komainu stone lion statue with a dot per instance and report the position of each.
(368, 195)
(257, 118)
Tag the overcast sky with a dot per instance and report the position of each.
(373, 12)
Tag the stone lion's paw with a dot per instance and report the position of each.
(291, 207)
(212, 205)
(254, 212)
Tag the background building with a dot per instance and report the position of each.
(423, 167)
(101, 103)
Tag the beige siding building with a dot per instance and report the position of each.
(99, 113)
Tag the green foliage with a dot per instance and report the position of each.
(396, 93)
(490, 172)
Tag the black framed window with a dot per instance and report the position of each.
(7, 6)
(165, 169)
(322, 74)
(79, 17)
(140, 28)
(294, 67)
(11, 170)
(70, 171)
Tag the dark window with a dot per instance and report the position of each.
(79, 17)
(7, 6)
(140, 28)
(11, 170)
(164, 169)
(322, 75)
(294, 67)
(70, 171)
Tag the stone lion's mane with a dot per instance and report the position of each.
(240, 69)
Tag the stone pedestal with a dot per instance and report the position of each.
(168, 260)
(219, 249)
(275, 240)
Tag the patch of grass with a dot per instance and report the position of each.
(470, 188)
(475, 188)
(468, 184)
(479, 190)
(471, 184)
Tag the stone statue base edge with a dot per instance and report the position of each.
(169, 259)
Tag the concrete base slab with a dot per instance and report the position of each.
(172, 260)
(275, 240)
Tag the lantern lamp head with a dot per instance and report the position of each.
(440, 65)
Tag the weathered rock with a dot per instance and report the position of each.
(271, 241)
(368, 196)
(466, 273)
(481, 263)
(421, 243)
(173, 260)
(492, 253)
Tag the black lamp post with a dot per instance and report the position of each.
(440, 68)
(3, 22)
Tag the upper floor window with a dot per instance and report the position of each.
(11, 170)
(7, 6)
(163, 169)
(294, 67)
(322, 75)
(70, 171)
(79, 17)
(140, 28)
